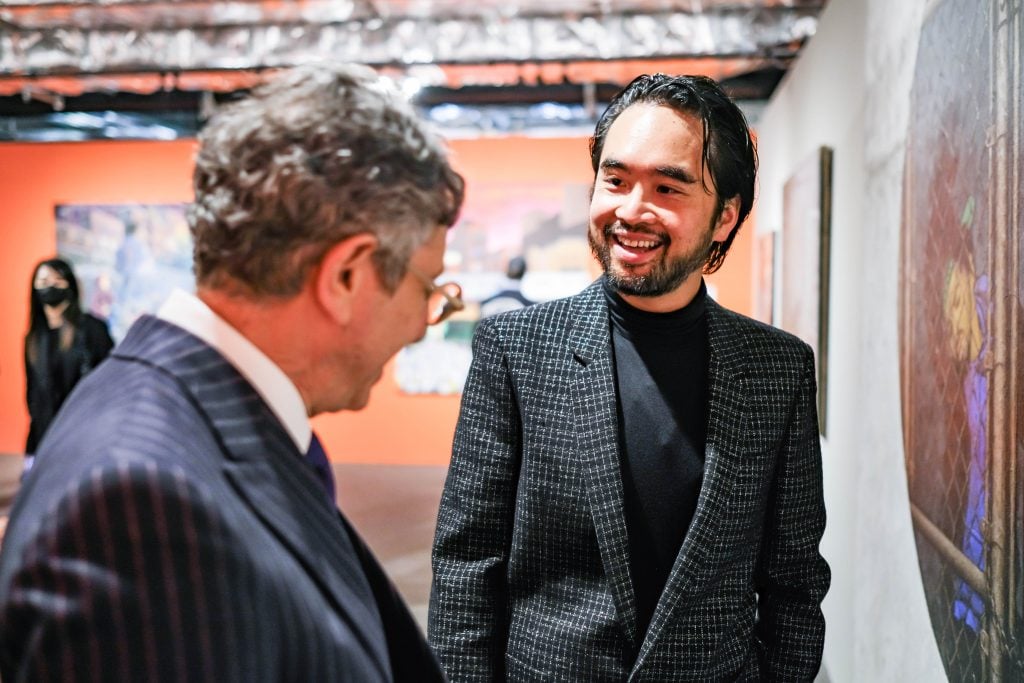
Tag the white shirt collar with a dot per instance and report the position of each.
(192, 315)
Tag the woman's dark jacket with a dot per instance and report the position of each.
(51, 373)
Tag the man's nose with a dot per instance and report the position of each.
(634, 207)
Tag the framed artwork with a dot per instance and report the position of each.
(543, 223)
(127, 257)
(961, 292)
(806, 227)
(763, 280)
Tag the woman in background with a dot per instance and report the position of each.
(62, 345)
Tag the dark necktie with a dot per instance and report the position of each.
(317, 457)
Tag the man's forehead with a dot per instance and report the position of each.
(652, 128)
(648, 138)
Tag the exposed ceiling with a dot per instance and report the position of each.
(475, 62)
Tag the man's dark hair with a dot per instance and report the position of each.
(728, 149)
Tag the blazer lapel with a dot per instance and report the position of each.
(700, 556)
(595, 426)
(269, 474)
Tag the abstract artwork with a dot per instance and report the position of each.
(127, 257)
(546, 224)
(960, 334)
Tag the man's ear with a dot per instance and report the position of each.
(345, 275)
(727, 219)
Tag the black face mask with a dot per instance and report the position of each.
(53, 296)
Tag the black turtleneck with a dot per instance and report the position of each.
(661, 367)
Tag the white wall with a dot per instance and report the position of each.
(850, 90)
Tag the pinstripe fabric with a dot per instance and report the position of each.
(531, 566)
(170, 531)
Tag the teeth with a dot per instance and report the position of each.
(638, 244)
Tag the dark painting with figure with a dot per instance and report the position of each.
(960, 318)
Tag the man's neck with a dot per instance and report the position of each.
(282, 342)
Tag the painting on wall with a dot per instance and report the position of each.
(806, 228)
(545, 224)
(127, 257)
(763, 279)
(961, 352)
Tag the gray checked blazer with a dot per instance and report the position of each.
(171, 531)
(531, 572)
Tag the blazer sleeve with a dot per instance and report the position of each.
(127, 579)
(467, 622)
(792, 576)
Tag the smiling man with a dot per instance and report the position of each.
(635, 487)
(180, 521)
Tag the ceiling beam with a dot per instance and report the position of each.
(402, 42)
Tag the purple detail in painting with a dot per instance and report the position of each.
(968, 606)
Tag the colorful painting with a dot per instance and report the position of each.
(961, 353)
(127, 257)
(806, 228)
(546, 224)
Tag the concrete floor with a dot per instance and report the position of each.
(395, 510)
(393, 507)
(10, 475)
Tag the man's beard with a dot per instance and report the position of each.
(664, 276)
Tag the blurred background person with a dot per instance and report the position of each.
(510, 297)
(63, 344)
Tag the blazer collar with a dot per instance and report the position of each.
(589, 333)
(595, 425)
(596, 428)
(265, 468)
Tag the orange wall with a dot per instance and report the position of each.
(395, 428)
(33, 179)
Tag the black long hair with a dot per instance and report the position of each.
(37, 323)
(729, 150)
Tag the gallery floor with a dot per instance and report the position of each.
(395, 510)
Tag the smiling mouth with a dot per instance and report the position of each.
(636, 243)
(634, 240)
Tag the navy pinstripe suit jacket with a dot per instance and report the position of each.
(531, 564)
(170, 531)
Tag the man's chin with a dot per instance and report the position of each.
(357, 399)
(632, 287)
(629, 281)
(647, 284)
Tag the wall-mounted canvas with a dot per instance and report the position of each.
(127, 257)
(806, 227)
(546, 223)
(961, 334)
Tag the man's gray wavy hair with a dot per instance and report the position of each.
(316, 155)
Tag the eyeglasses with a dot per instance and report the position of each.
(443, 299)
